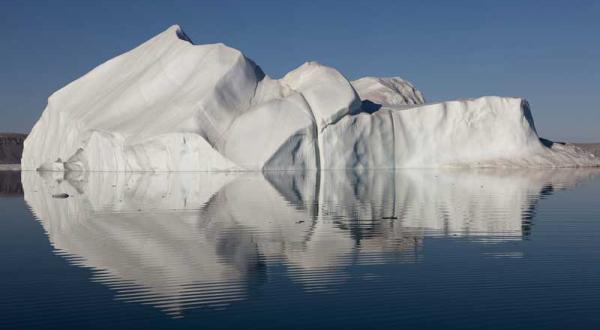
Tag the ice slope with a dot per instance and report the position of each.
(169, 105)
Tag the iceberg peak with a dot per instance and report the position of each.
(181, 34)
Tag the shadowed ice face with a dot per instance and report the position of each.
(178, 241)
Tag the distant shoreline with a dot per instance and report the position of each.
(11, 148)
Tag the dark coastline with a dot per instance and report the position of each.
(11, 147)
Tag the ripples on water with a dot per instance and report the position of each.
(416, 248)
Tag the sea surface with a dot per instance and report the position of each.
(445, 249)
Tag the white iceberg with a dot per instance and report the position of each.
(169, 105)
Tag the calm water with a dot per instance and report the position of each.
(411, 249)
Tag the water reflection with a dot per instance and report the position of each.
(186, 240)
(10, 184)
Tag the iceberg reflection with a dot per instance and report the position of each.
(184, 240)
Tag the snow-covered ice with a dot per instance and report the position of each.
(170, 105)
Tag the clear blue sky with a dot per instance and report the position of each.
(546, 51)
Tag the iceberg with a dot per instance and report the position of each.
(169, 105)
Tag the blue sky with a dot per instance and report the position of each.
(546, 51)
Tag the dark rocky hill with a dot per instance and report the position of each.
(11, 147)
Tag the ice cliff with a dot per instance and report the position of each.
(169, 105)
